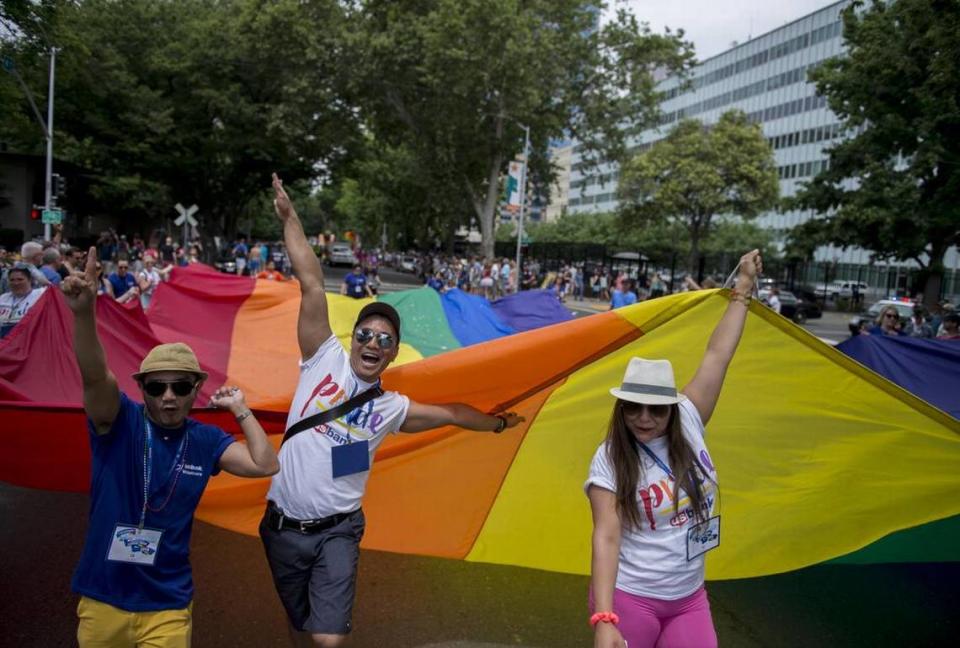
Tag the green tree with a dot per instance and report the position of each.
(893, 186)
(698, 173)
(387, 187)
(453, 80)
(165, 101)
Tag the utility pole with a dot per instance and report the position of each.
(523, 199)
(49, 184)
(8, 64)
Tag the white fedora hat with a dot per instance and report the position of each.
(650, 382)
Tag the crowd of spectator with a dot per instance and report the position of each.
(942, 322)
(260, 259)
(128, 269)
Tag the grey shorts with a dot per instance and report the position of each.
(316, 573)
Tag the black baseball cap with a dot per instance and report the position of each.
(383, 310)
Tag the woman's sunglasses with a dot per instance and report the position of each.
(656, 411)
(364, 335)
(157, 388)
(890, 315)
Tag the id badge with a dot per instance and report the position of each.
(350, 458)
(130, 544)
(703, 537)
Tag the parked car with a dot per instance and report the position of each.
(842, 289)
(794, 308)
(226, 263)
(408, 263)
(904, 310)
(341, 254)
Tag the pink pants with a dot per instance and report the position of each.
(654, 623)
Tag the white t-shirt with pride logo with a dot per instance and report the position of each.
(653, 559)
(305, 489)
(13, 308)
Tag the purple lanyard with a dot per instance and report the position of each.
(175, 470)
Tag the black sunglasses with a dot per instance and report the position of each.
(890, 315)
(157, 388)
(364, 335)
(656, 411)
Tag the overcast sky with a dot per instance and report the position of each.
(712, 25)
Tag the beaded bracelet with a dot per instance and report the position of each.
(740, 297)
(606, 617)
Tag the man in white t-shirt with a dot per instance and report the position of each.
(313, 523)
(774, 300)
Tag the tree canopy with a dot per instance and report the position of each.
(455, 81)
(893, 185)
(697, 174)
(186, 100)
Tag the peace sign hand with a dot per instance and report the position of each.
(281, 201)
(80, 290)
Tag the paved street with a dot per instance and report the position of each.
(408, 601)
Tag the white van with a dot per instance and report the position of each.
(842, 288)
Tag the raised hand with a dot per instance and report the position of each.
(281, 201)
(80, 290)
(751, 267)
(229, 398)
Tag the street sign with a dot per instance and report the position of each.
(186, 214)
(52, 216)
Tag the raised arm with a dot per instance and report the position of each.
(422, 417)
(101, 395)
(313, 323)
(256, 457)
(704, 389)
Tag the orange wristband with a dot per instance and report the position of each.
(605, 617)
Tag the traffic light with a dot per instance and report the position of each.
(59, 185)
(36, 213)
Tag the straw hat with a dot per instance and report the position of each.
(170, 357)
(650, 382)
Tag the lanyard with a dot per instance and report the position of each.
(175, 470)
(657, 459)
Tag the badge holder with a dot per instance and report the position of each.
(132, 544)
(703, 537)
(351, 458)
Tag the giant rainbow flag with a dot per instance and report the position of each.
(819, 458)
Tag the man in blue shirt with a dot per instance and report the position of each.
(355, 284)
(122, 281)
(624, 297)
(51, 265)
(150, 466)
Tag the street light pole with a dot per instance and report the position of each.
(49, 185)
(523, 198)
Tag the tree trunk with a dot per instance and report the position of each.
(934, 282)
(693, 261)
(486, 210)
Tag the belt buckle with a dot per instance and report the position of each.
(304, 526)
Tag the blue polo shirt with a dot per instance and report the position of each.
(121, 284)
(116, 496)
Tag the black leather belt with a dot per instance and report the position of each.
(277, 520)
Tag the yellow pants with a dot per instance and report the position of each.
(105, 626)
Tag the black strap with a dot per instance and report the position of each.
(336, 412)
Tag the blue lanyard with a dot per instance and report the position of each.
(657, 459)
(178, 461)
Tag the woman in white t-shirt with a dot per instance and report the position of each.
(21, 298)
(653, 489)
(149, 278)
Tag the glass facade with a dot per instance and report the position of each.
(766, 78)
